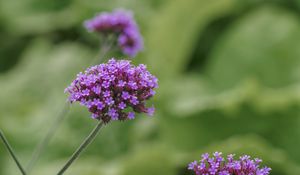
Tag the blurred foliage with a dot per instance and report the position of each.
(229, 81)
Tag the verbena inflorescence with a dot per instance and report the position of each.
(217, 165)
(114, 91)
(122, 24)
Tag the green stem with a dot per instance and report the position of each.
(11, 152)
(106, 46)
(45, 141)
(84, 144)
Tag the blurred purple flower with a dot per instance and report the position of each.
(112, 101)
(217, 165)
(122, 24)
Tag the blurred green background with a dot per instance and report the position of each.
(228, 72)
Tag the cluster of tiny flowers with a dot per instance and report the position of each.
(121, 23)
(217, 165)
(114, 91)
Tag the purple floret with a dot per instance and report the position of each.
(122, 24)
(217, 165)
(98, 88)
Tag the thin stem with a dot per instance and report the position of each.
(83, 145)
(106, 46)
(45, 141)
(11, 152)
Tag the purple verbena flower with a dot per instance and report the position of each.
(217, 165)
(131, 115)
(98, 88)
(120, 23)
(130, 41)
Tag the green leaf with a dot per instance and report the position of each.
(262, 45)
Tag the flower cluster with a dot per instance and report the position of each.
(114, 91)
(217, 165)
(121, 23)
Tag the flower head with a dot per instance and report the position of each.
(99, 89)
(217, 165)
(120, 23)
